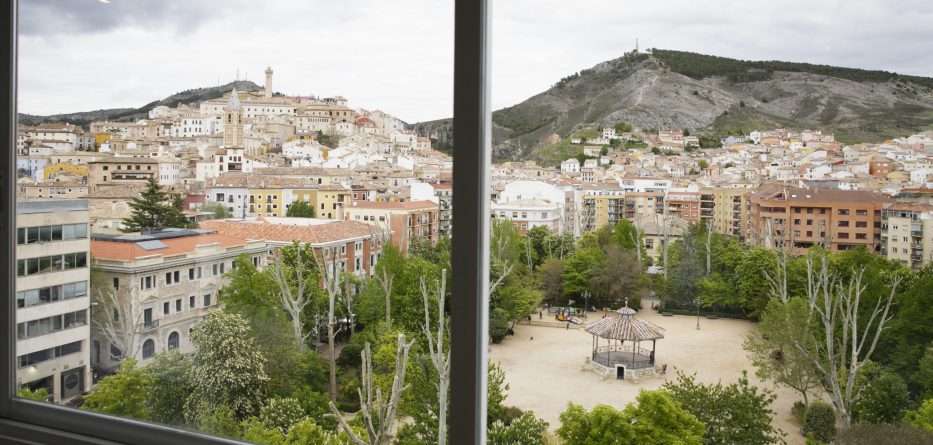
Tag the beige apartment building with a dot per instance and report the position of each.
(406, 220)
(907, 233)
(722, 207)
(166, 282)
(52, 304)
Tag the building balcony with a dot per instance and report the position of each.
(150, 325)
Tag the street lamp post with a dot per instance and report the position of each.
(697, 302)
(586, 300)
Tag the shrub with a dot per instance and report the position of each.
(281, 414)
(498, 324)
(866, 434)
(799, 411)
(820, 422)
(884, 400)
(350, 356)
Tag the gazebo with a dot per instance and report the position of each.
(622, 354)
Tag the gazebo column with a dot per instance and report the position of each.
(653, 346)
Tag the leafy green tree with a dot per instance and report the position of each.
(40, 395)
(736, 413)
(884, 399)
(550, 279)
(122, 394)
(281, 414)
(654, 419)
(308, 432)
(216, 209)
(300, 209)
(154, 209)
(922, 417)
(703, 164)
(923, 377)
(622, 127)
(496, 392)
(617, 277)
(526, 429)
(219, 421)
(249, 292)
(168, 375)
(228, 369)
(498, 324)
(911, 333)
(578, 269)
(518, 298)
(773, 347)
(255, 432)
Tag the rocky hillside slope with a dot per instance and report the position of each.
(712, 95)
(131, 114)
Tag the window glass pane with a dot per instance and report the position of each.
(45, 234)
(69, 231)
(290, 103)
(80, 230)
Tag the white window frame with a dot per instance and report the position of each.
(26, 421)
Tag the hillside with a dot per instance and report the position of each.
(131, 114)
(712, 95)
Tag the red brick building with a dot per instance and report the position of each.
(801, 218)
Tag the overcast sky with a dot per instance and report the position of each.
(396, 55)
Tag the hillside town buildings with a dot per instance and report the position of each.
(239, 162)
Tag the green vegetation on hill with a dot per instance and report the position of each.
(699, 66)
(130, 114)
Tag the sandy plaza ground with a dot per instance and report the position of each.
(546, 373)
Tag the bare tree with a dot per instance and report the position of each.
(502, 239)
(709, 246)
(330, 273)
(665, 242)
(294, 299)
(847, 340)
(384, 276)
(117, 319)
(378, 413)
(439, 357)
(636, 239)
(778, 279)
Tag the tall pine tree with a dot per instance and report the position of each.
(155, 209)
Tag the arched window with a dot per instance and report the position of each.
(148, 349)
(173, 340)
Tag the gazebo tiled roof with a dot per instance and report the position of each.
(625, 328)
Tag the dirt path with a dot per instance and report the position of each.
(546, 373)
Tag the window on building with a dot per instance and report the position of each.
(172, 341)
(207, 300)
(843, 212)
(148, 349)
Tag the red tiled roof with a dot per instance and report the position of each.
(122, 251)
(308, 234)
(405, 205)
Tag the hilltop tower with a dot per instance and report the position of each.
(233, 121)
(268, 90)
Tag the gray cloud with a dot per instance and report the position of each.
(397, 55)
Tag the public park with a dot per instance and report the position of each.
(546, 364)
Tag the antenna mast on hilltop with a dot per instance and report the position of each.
(636, 45)
(237, 73)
